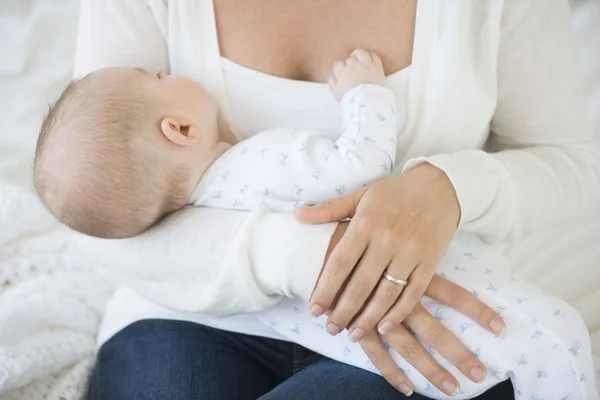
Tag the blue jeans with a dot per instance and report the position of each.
(178, 360)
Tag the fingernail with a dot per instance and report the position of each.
(316, 310)
(498, 327)
(478, 374)
(404, 388)
(385, 327)
(332, 329)
(356, 334)
(450, 388)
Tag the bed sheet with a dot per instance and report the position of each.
(37, 40)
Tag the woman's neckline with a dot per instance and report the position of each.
(213, 64)
(271, 80)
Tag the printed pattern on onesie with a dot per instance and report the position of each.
(546, 350)
(285, 168)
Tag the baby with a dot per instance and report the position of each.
(122, 148)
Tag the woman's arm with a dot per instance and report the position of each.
(207, 261)
(218, 262)
(125, 33)
(545, 167)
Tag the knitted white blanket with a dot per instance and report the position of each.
(51, 301)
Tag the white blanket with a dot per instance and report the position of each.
(51, 300)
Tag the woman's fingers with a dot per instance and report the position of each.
(411, 296)
(338, 267)
(381, 359)
(335, 209)
(385, 296)
(466, 303)
(411, 350)
(385, 312)
(363, 280)
(446, 343)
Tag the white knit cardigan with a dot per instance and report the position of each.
(495, 74)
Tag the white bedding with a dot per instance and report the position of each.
(51, 301)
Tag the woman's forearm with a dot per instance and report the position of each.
(218, 262)
(544, 169)
(515, 193)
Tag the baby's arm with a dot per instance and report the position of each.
(368, 110)
(321, 168)
(366, 149)
(285, 167)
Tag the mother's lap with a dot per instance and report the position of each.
(179, 360)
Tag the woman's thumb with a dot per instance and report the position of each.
(332, 210)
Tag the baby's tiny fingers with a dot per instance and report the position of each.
(338, 67)
(332, 81)
(376, 59)
(352, 61)
(361, 55)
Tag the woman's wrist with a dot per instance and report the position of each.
(446, 193)
(475, 177)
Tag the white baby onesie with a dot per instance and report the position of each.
(284, 168)
(546, 351)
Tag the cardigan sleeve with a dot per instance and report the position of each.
(213, 262)
(543, 166)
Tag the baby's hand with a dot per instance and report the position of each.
(361, 67)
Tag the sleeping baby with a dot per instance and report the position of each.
(123, 148)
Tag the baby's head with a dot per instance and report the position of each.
(122, 148)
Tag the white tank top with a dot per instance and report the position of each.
(258, 101)
(253, 101)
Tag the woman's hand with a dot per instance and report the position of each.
(432, 331)
(401, 225)
(436, 335)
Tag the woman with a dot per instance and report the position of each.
(481, 72)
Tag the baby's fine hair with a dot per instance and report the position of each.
(97, 167)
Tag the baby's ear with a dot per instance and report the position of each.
(180, 133)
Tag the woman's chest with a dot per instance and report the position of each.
(302, 39)
(448, 100)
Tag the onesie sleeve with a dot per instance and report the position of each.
(286, 168)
